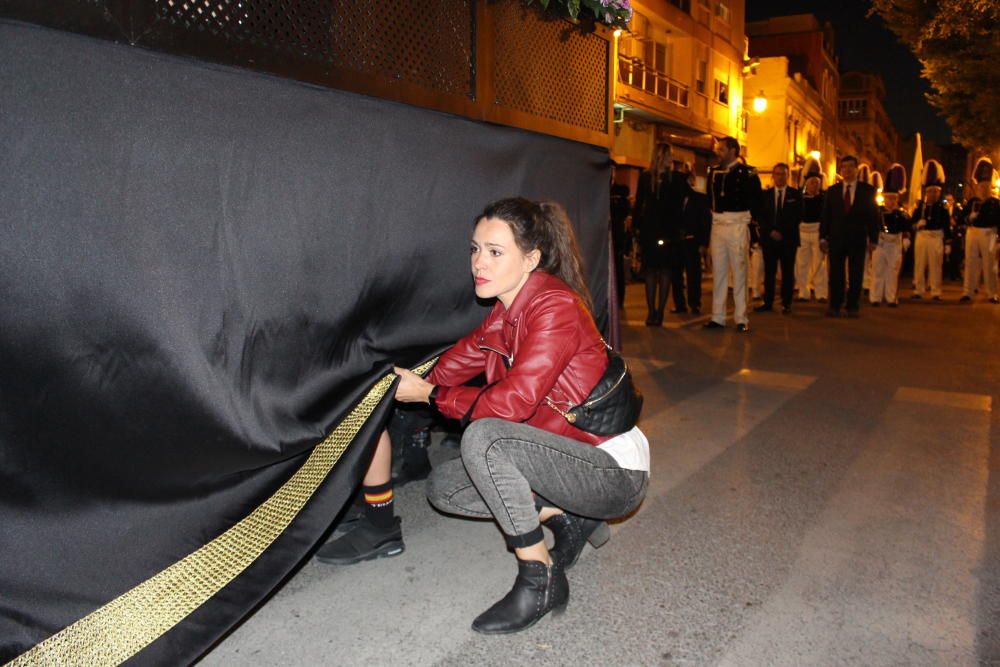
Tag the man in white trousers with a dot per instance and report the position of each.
(755, 281)
(932, 224)
(982, 218)
(810, 260)
(887, 257)
(735, 195)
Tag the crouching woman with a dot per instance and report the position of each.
(523, 464)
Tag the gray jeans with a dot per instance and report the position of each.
(504, 462)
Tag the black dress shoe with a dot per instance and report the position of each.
(571, 532)
(893, 304)
(936, 298)
(832, 312)
(965, 298)
(365, 541)
(786, 310)
(876, 304)
(678, 311)
(853, 314)
(994, 299)
(538, 589)
(916, 297)
(659, 318)
(712, 324)
(742, 328)
(766, 308)
(695, 310)
(651, 319)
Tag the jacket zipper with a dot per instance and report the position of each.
(508, 360)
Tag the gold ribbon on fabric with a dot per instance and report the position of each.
(115, 632)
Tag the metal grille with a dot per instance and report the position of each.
(427, 43)
(550, 69)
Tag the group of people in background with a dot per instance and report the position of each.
(828, 244)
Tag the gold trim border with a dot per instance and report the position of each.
(121, 628)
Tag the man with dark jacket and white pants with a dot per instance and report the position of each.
(781, 213)
(850, 223)
(734, 194)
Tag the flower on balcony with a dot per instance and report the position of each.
(613, 13)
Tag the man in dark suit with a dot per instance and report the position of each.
(850, 223)
(779, 237)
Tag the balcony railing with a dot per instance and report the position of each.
(634, 72)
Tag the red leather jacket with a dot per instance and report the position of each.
(545, 346)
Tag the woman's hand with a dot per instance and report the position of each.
(412, 388)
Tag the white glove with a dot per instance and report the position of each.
(906, 244)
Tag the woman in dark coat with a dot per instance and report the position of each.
(655, 199)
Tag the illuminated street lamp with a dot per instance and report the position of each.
(760, 103)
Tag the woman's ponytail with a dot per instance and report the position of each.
(563, 256)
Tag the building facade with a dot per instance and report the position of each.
(865, 129)
(679, 80)
(796, 73)
(789, 128)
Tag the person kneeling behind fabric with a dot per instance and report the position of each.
(523, 464)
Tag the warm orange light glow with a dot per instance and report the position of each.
(760, 103)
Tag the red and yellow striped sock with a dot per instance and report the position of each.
(379, 504)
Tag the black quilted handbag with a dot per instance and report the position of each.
(613, 406)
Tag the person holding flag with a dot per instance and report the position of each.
(933, 229)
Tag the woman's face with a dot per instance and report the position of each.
(499, 267)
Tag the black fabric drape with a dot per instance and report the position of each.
(201, 270)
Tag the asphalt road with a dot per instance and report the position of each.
(823, 492)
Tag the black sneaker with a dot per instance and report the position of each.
(365, 542)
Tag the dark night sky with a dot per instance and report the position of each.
(868, 44)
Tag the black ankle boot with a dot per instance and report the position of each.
(571, 532)
(538, 589)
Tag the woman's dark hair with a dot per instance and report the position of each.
(546, 227)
